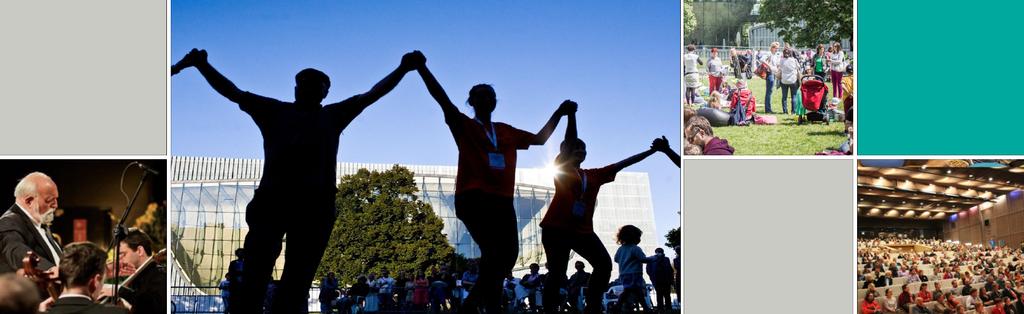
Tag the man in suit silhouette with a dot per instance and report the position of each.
(26, 225)
(81, 270)
(297, 191)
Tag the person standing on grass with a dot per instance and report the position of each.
(771, 62)
(716, 71)
(690, 76)
(789, 71)
(837, 64)
(734, 62)
(820, 61)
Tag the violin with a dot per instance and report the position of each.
(41, 278)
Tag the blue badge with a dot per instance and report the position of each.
(497, 161)
(579, 208)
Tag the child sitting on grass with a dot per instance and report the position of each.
(631, 259)
(698, 132)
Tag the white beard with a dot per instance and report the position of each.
(47, 217)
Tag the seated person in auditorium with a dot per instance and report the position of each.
(905, 298)
(920, 308)
(914, 277)
(966, 290)
(884, 280)
(869, 305)
(889, 303)
(699, 132)
(924, 293)
(951, 300)
(999, 307)
(18, 295)
(971, 299)
(988, 297)
(937, 292)
(872, 290)
(955, 290)
(81, 270)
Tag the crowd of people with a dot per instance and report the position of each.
(444, 290)
(784, 68)
(901, 275)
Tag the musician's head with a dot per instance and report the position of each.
(18, 295)
(82, 267)
(37, 194)
(136, 248)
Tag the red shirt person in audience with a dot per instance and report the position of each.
(870, 306)
(924, 294)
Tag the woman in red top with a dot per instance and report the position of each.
(870, 306)
(568, 223)
(485, 183)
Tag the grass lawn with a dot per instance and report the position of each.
(785, 138)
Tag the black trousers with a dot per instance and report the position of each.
(308, 226)
(663, 291)
(557, 244)
(491, 221)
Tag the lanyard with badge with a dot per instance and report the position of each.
(580, 207)
(495, 158)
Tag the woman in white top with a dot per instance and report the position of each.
(716, 72)
(789, 70)
(690, 75)
(837, 62)
(889, 303)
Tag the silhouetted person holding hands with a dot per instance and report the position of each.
(569, 221)
(661, 145)
(485, 181)
(300, 143)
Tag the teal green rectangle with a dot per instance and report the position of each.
(939, 78)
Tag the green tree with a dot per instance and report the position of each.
(672, 238)
(823, 20)
(382, 225)
(689, 20)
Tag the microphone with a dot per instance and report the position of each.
(147, 169)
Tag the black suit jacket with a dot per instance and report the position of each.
(18, 235)
(77, 305)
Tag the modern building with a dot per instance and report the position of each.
(209, 196)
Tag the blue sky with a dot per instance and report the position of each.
(618, 59)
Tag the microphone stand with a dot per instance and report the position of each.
(120, 233)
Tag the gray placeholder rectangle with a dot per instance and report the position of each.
(768, 236)
(83, 77)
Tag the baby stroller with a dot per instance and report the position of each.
(813, 92)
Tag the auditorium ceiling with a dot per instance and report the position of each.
(933, 189)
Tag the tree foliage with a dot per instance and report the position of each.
(689, 20)
(672, 238)
(823, 20)
(382, 225)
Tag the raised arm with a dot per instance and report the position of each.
(436, 91)
(661, 145)
(221, 84)
(567, 107)
(410, 61)
(570, 128)
(632, 160)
